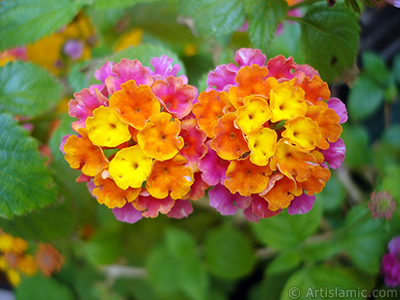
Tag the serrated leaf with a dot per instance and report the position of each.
(45, 225)
(321, 282)
(329, 39)
(27, 89)
(229, 253)
(26, 21)
(25, 182)
(40, 288)
(264, 17)
(285, 231)
(115, 4)
(214, 18)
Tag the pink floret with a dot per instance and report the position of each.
(181, 209)
(335, 154)
(338, 106)
(127, 214)
(301, 204)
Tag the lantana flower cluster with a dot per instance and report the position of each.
(15, 258)
(272, 130)
(261, 136)
(137, 146)
(390, 267)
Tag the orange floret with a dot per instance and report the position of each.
(170, 177)
(315, 90)
(130, 167)
(293, 161)
(328, 122)
(262, 145)
(27, 265)
(316, 182)
(134, 104)
(229, 142)
(246, 178)
(279, 196)
(106, 129)
(49, 259)
(160, 138)
(108, 193)
(251, 81)
(287, 101)
(210, 109)
(80, 152)
(253, 114)
(303, 132)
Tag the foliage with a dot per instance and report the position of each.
(205, 256)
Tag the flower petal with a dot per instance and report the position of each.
(170, 177)
(151, 206)
(83, 105)
(127, 214)
(262, 146)
(293, 161)
(301, 204)
(287, 102)
(213, 167)
(303, 132)
(175, 97)
(340, 109)
(194, 147)
(130, 167)
(181, 209)
(315, 89)
(81, 153)
(108, 193)
(246, 178)
(253, 114)
(334, 155)
(135, 105)
(106, 129)
(279, 196)
(210, 109)
(160, 138)
(229, 142)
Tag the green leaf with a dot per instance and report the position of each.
(285, 231)
(333, 194)
(103, 248)
(365, 98)
(26, 21)
(329, 39)
(264, 17)
(321, 282)
(27, 90)
(26, 183)
(396, 68)
(76, 78)
(229, 253)
(214, 18)
(190, 271)
(390, 182)
(161, 267)
(364, 239)
(45, 225)
(319, 251)
(375, 68)
(355, 138)
(41, 288)
(116, 4)
(284, 262)
(391, 136)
